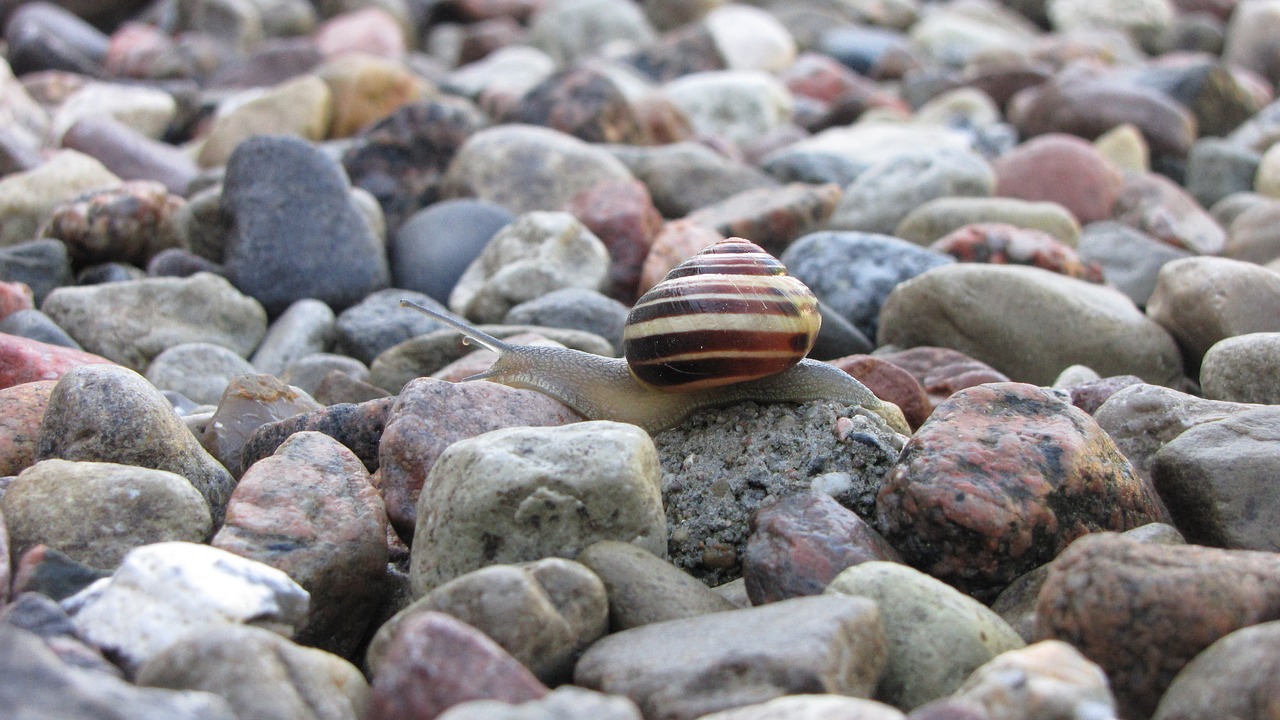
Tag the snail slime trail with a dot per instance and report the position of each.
(727, 325)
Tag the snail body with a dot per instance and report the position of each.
(701, 338)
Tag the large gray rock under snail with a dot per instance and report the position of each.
(725, 326)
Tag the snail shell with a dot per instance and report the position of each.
(726, 315)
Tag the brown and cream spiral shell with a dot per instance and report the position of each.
(726, 315)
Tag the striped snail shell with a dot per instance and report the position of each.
(727, 315)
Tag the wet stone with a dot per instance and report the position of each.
(999, 480)
(249, 402)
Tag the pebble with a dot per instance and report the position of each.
(841, 154)
(642, 588)
(371, 31)
(828, 644)
(773, 217)
(973, 308)
(1238, 369)
(358, 427)
(572, 29)
(434, 661)
(1217, 167)
(576, 309)
(435, 245)
(41, 265)
(1209, 478)
(738, 105)
(685, 176)
(623, 216)
(48, 37)
(1130, 258)
(937, 635)
(1003, 244)
(538, 253)
(567, 702)
(260, 674)
(811, 707)
(338, 387)
(248, 402)
(935, 219)
(497, 82)
(941, 371)
(27, 198)
(307, 372)
(301, 107)
(1246, 43)
(335, 505)
(200, 371)
(563, 488)
(378, 322)
(802, 541)
(107, 413)
(306, 327)
(132, 222)
(1233, 675)
(1178, 600)
(854, 272)
(1000, 480)
(1049, 679)
(889, 190)
(889, 382)
(1063, 169)
(1252, 235)
(365, 88)
(163, 592)
(133, 321)
(1157, 206)
(26, 360)
(296, 232)
(1243, 297)
(544, 613)
(22, 408)
(592, 102)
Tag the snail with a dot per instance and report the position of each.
(727, 325)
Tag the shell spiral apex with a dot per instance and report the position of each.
(729, 314)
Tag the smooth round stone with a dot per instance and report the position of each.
(576, 309)
(302, 107)
(43, 36)
(1202, 300)
(1028, 323)
(889, 190)
(642, 588)
(435, 245)
(538, 253)
(1007, 244)
(307, 372)
(1130, 258)
(27, 198)
(811, 707)
(570, 29)
(97, 512)
(937, 635)
(840, 154)
(200, 371)
(567, 702)
(937, 218)
(739, 105)
(365, 89)
(41, 265)
(1125, 146)
(1231, 677)
(683, 177)
(147, 111)
(297, 233)
(854, 273)
(1267, 180)
(1064, 169)
(370, 31)
(35, 325)
(1242, 369)
(1161, 208)
(750, 38)
(235, 26)
(525, 168)
(379, 322)
(307, 327)
(562, 489)
(1249, 42)
(1217, 168)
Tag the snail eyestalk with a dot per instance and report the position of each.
(482, 339)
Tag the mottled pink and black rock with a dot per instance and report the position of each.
(999, 480)
(585, 102)
(359, 427)
(1006, 244)
(801, 542)
(1142, 611)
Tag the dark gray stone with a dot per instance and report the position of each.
(35, 325)
(575, 309)
(1217, 168)
(42, 264)
(436, 244)
(378, 322)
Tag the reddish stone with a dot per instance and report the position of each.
(889, 382)
(1090, 396)
(802, 541)
(622, 215)
(435, 662)
(943, 371)
(1005, 244)
(1159, 207)
(676, 242)
(128, 223)
(133, 50)
(430, 415)
(23, 360)
(291, 511)
(772, 217)
(1064, 169)
(840, 94)
(519, 10)
(1143, 611)
(15, 296)
(369, 31)
(21, 411)
(1000, 480)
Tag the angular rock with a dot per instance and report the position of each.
(544, 613)
(311, 511)
(107, 413)
(562, 489)
(248, 403)
(260, 674)
(435, 661)
(164, 592)
(800, 542)
(296, 233)
(741, 657)
(1142, 612)
(1028, 323)
(133, 321)
(1000, 480)
(97, 512)
(937, 635)
(643, 588)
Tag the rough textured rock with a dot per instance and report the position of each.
(999, 480)
(522, 494)
(643, 588)
(97, 512)
(358, 427)
(310, 511)
(260, 674)
(942, 371)
(1028, 323)
(1142, 612)
(684, 669)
